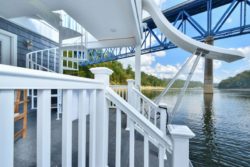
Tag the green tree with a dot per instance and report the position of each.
(120, 75)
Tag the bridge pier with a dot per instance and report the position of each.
(208, 70)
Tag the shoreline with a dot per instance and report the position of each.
(152, 88)
(162, 88)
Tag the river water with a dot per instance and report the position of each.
(220, 122)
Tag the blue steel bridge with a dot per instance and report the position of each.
(184, 16)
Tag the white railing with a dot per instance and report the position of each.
(74, 88)
(121, 90)
(140, 124)
(83, 97)
(45, 60)
(151, 111)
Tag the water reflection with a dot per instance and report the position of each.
(208, 128)
(152, 94)
(221, 123)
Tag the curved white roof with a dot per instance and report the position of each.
(104, 19)
(185, 42)
(112, 20)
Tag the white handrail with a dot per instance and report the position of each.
(146, 99)
(43, 50)
(31, 79)
(42, 67)
(80, 91)
(45, 60)
(82, 97)
(139, 119)
(121, 90)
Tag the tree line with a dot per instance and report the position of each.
(120, 76)
(240, 81)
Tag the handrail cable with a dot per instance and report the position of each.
(183, 90)
(163, 93)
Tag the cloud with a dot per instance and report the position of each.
(245, 51)
(159, 54)
(147, 59)
(128, 61)
(149, 70)
(166, 71)
(217, 64)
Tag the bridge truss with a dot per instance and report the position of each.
(183, 16)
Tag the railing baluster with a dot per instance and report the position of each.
(131, 144)
(67, 58)
(48, 60)
(67, 128)
(143, 109)
(161, 156)
(163, 120)
(155, 116)
(127, 94)
(146, 150)
(7, 127)
(138, 102)
(55, 59)
(33, 99)
(43, 127)
(149, 112)
(36, 61)
(119, 92)
(122, 93)
(92, 150)
(42, 58)
(118, 138)
(83, 107)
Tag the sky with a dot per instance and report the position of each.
(165, 64)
